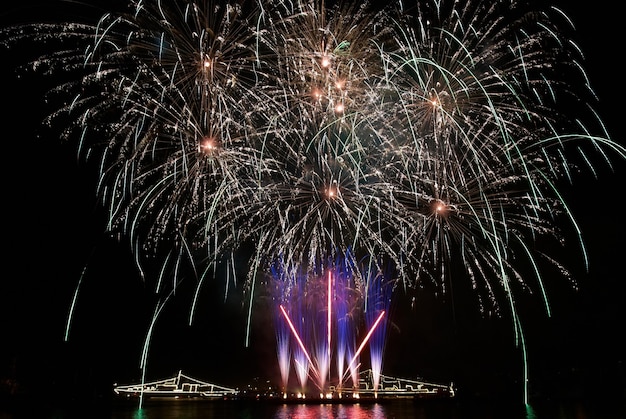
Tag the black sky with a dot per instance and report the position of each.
(54, 229)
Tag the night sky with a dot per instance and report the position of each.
(54, 229)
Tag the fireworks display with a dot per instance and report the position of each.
(324, 315)
(427, 140)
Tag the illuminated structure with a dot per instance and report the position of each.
(177, 387)
(394, 387)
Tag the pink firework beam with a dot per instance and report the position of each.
(297, 336)
(367, 338)
(329, 319)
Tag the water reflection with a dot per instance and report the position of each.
(530, 412)
(140, 414)
(270, 411)
(335, 411)
(472, 409)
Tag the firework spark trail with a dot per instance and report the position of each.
(329, 319)
(298, 339)
(347, 324)
(449, 139)
(372, 329)
(283, 335)
(378, 300)
(331, 309)
(283, 353)
(312, 355)
(416, 136)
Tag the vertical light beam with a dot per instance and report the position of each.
(329, 319)
(369, 334)
(297, 336)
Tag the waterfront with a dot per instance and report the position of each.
(397, 409)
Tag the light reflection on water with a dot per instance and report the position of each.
(270, 411)
(375, 411)
(395, 410)
(607, 409)
(255, 410)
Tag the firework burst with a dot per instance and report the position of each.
(424, 141)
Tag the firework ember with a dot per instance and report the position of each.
(429, 142)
